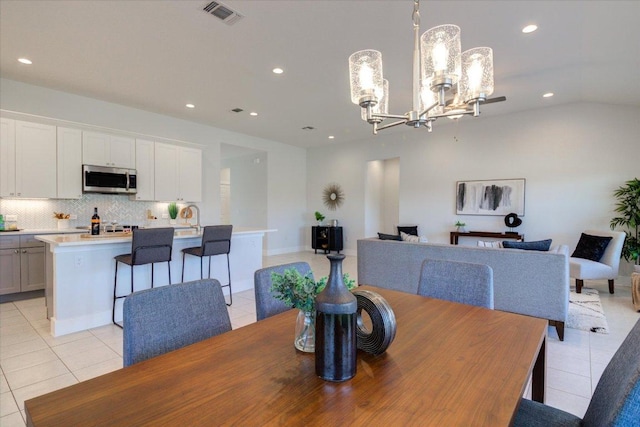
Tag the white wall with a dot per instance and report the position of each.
(248, 178)
(572, 157)
(286, 170)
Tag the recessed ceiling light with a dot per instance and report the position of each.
(253, 113)
(278, 70)
(529, 28)
(548, 95)
(190, 106)
(331, 137)
(25, 61)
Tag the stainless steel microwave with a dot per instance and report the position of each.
(106, 180)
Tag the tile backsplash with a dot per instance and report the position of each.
(38, 214)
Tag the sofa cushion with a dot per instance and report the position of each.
(413, 239)
(591, 247)
(539, 245)
(413, 229)
(383, 236)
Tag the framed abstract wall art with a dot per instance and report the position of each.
(490, 197)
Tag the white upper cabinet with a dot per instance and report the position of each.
(26, 153)
(69, 163)
(7, 157)
(101, 149)
(178, 173)
(190, 177)
(145, 165)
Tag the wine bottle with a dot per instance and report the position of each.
(95, 223)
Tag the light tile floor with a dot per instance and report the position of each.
(32, 362)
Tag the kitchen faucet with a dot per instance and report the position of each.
(197, 226)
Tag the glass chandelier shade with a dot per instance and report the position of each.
(428, 98)
(441, 49)
(382, 107)
(476, 81)
(365, 71)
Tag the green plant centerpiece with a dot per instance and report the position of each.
(173, 210)
(460, 226)
(319, 217)
(628, 206)
(299, 291)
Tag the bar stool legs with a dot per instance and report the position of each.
(209, 273)
(115, 288)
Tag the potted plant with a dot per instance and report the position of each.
(173, 212)
(460, 227)
(628, 206)
(300, 292)
(319, 217)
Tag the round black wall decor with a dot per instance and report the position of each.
(333, 196)
(512, 220)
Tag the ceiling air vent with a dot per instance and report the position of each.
(223, 12)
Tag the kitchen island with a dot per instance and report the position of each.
(80, 271)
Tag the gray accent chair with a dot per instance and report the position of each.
(456, 281)
(266, 304)
(160, 320)
(216, 240)
(148, 246)
(615, 401)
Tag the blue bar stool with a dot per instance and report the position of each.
(148, 246)
(216, 240)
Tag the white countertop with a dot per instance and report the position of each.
(68, 239)
(22, 232)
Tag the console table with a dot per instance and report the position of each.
(453, 236)
(326, 238)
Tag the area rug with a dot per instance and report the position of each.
(586, 313)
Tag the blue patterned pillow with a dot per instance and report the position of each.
(539, 245)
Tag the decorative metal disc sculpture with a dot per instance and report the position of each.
(512, 221)
(383, 322)
(333, 196)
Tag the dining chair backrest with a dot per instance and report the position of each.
(151, 245)
(266, 304)
(216, 240)
(456, 281)
(616, 399)
(166, 318)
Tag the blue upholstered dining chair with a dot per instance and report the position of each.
(167, 318)
(266, 304)
(615, 401)
(462, 282)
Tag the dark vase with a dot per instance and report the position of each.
(336, 313)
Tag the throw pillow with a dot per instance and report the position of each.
(413, 230)
(591, 247)
(409, 237)
(489, 244)
(383, 236)
(540, 245)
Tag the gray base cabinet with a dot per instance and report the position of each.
(22, 264)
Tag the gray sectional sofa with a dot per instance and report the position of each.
(527, 282)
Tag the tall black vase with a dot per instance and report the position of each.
(336, 313)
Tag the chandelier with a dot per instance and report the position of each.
(446, 82)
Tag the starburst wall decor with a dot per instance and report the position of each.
(333, 196)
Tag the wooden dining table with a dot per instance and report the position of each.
(449, 365)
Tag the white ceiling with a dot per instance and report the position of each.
(160, 55)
